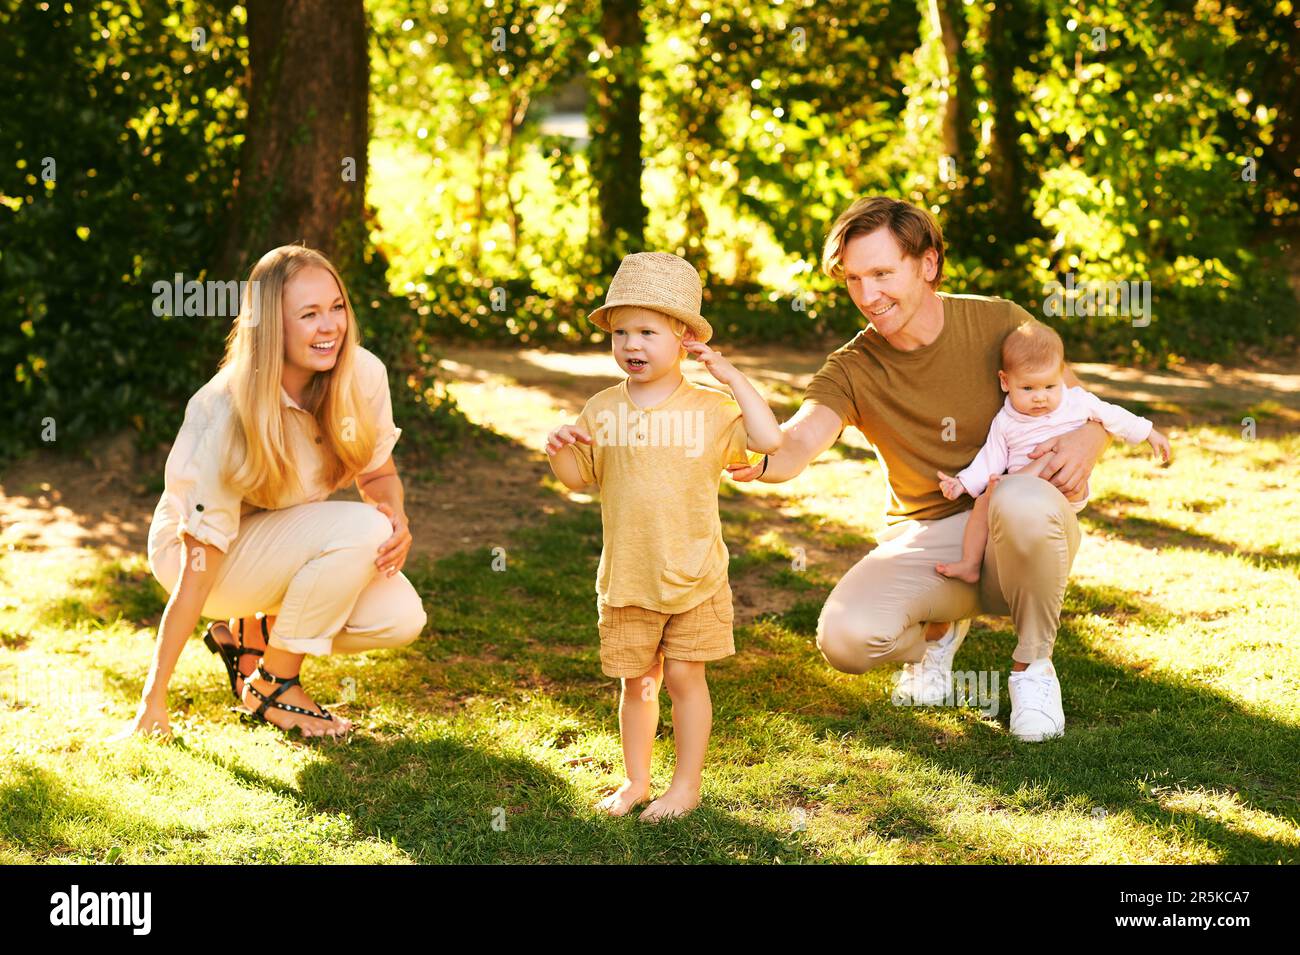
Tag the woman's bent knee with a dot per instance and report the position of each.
(409, 624)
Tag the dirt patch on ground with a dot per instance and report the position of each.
(104, 496)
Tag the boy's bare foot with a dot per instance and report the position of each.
(968, 571)
(676, 801)
(294, 696)
(624, 799)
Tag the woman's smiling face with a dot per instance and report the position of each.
(315, 320)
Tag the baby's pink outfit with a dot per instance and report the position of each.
(1012, 435)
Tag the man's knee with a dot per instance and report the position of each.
(852, 646)
(1024, 508)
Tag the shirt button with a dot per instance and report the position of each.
(318, 439)
(198, 507)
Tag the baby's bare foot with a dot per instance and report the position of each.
(675, 802)
(624, 799)
(962, 570)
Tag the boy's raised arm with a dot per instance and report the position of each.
(761, 426)
(765, 435)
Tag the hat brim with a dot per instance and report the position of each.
(693, 320)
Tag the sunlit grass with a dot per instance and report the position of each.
(489, 739)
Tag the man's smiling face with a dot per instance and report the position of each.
(887, 286)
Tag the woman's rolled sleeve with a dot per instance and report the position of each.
(207, 506)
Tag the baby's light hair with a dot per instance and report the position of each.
(1032, 346)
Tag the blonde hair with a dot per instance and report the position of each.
(1032, 346)
(628, 311)
(913, 228)
(256, 446)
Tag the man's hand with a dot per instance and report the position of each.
(744, 472)
(1074, 455)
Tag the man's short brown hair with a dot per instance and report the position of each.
(913, 228)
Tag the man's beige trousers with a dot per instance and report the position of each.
(877, 613)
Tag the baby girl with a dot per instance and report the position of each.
(1038, 407)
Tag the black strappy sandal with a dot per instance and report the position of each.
(273, 700)
(230, 654)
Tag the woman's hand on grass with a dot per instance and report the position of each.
(150, 720)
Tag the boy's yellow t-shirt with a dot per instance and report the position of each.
(658, 470)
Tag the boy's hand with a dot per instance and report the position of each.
(562, 437)
(952, 488)
(718, 366)
(1160, 444)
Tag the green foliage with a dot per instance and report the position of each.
(142, 117)
(119, 147)
(1120, 141)
(1127, 129)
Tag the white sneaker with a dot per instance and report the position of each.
(1036, 712)
(929, 682)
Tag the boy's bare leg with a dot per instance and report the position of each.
(973, 539)
(638, 718)
(692, 722)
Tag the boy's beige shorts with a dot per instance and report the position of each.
(632, 638)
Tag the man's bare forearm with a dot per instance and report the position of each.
(812, 430)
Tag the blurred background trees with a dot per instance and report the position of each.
(508, 152)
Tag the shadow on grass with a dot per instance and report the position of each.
(40, 813)
(1133, 738)
(1152, 533)
(441, 800)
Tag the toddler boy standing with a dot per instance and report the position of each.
(656, 446)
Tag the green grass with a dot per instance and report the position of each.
(487, 740)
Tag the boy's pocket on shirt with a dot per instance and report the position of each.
(722, 604)
(694, 565)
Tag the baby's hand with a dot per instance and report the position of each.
(562, 437)
(952, 488)
(718, 366)
(1160, 444)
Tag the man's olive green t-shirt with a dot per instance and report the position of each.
(926, 410)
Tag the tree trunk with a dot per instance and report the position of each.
(1008, 177)
(303, 166)
(615, 122)
(958, 132)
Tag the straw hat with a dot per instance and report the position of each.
(666, 283)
